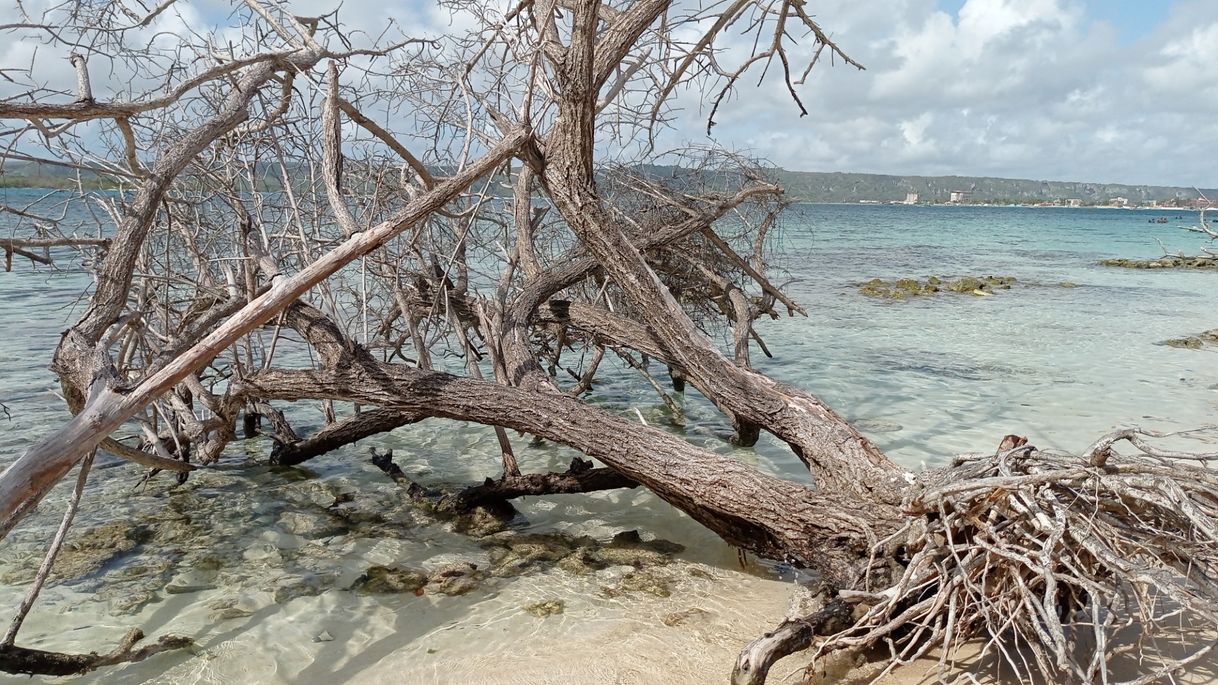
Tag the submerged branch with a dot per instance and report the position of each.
(25, 661)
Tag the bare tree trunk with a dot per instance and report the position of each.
(839, 456)
(828, 530)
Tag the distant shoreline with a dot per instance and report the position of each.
(984, 205)
(819, 187)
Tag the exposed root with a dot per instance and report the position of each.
(1057, 568)
(793, 634)
(21, 660)
(1057, 565)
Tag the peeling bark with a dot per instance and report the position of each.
(775, 518)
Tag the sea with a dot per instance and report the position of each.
(256, 564)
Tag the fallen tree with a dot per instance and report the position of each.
(459, 282)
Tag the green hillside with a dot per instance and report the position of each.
(814, 186)
(802, 186)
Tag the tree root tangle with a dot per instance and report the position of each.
(1049, 562)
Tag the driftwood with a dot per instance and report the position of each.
(580, 477)
(24, 661)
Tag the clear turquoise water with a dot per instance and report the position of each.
(1060, 365)
(926, 378)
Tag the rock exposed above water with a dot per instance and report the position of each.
(1194, 342)
(1165, 262)
(905, 288)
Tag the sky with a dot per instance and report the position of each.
(1122, 91)
(1095, 90)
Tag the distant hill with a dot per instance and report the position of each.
(802, 186)
(816, 186)
(38, 175)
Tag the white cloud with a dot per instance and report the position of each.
(1021, 88)
(1025, 88)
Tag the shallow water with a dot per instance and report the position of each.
(261, 568)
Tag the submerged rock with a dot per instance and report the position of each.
(677, 618)
(131, 602)
(386, 580)
(228, 608)
(208, 563)
(547, 608)
(94, 547)
(263, 552)
(647, 581)
(629, 549)
(517, 554)
(581, 562)
(877, 426)
(175, 530)
(147, 568)
(311, 525)
(311, 491)
(482, 521)
(968, 284)
(307, 586)
(191, 581)
(456, 579)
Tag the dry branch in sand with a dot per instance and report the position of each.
(427, 223)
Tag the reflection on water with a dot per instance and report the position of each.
(259, 563)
